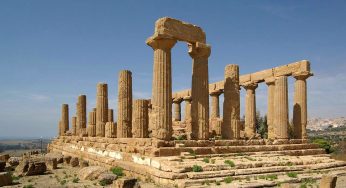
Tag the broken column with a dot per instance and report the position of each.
(200, 90)
(162, 87)
(300, 104)
(110, 130)
(81, 114)
(124, 104)
(64, 118)
(281, 108)
(250, 109)
(101, 109)
(110, 115)
(231, 106)
(74, 125)
(177, 109)
(270, 112)
(140, 119)
(92, 124)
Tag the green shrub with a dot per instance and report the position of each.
(117, 171)
(218, 183)
(28, 186)
(63, 182)
(292, 174)
(272, 177)
(229, 162)
(75, 180)
(228, 179)
(206, 160)
(15, 178)
(212, 161)
(325, 144)
(197, 168)
(104, 182)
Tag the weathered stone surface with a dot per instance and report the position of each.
(74, 161)
(30, 167)
(4, 157)
(83, 163)
(328, 181)
(125, 183)
(59, 157)
(111, 130)
(51, 163)
(64, 119)
(281, 108)
(140, 119)
(177, 109)
(2, 166)
(81, 114)
(250, 110)
(91, 172)
(101, 109)
(13, 161)
(110, 115)
(124, 127)
(67, 159)
(5, 179)
(74, 125)
(270, 103)
(107, 177)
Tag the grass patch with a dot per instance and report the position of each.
(212, 161)
(63, 182)
(292, 174)
(250, 158)
(104, 182)
(230, 163)
(197, 168)
(218, 183)
(325, 144)
(118, 171)
(206, 160)
(75, 180)
(228, 179)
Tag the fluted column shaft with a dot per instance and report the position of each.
(200, 91)
(281, 108)
(64, 118)
(74, 125)
(300, 105)
(92, 124)
(140, 119)
(231, 109)
(110, 115)
(250, 109)
(81, 114)
(161, 114)
(177, 109)
(124, 105)
(270, 107)
(110, 130)
(187, 101)
(215, 105)
(101, 109)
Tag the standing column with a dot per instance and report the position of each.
(110, 115)
(124, 104)
(81, 114)
(161, 88)
(188, 118)
(61, 129)
(177, 109)
(200, 90)
(92, 124)
(231, 109)
(270, 105)
(215, 104)
(140, 119)
(74, 125)
(101, 109)
(300, 105)
(64, 118)
(281, 108)
(250, 109)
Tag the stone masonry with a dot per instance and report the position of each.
(124, 105)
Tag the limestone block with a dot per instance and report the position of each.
(282, 71)
(261, 75)
(81, 114)
(91, 172)
(5, 178)
(2, 166)
(31, 167)
(74, 161)
(107, 177)
(59, 157)
(91, 130)
(328, 181)
(179, 30)
(111, 130)
(13, 161)
(110, 115)
(101, 109)
(304, 66)
(125, 183)
(244, 78)
(124, 104)
(4, 157)
(74, 125)
(140, 119)
(51, 163)
(67, 159)
(83, 163)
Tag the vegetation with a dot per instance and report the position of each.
(197, 168)
(181, 137)
(206, 160)
(229, 162)
(261, 125)
(218, 183)
(117, 171)
(104, 182)
(292, 174)
(28, 186)
(325, 144)
(75, 180)
(63, 182)
(228, 179)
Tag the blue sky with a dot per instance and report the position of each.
(52, 51)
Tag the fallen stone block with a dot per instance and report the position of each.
(13, 161)
(67, 159)
(59, 157)
(126, 183)
(51, 163)
(83, 164)
(5, 179)
(4, 157)
(31, 167)
(91, 172)
(108, 178)
(328, 181)
(74, 161)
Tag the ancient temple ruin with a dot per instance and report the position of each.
(142, 142)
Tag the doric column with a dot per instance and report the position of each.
(92, 124)
(231, 106)
(60, 129)
(101, 109)
(140, 119)
(177, 109)
(110, 115)
(124, 104)
(162, 87)
(64, 118)
(300, 105)
(281, 108)
(250, 109)
(215, 104)
(270, 105)
(200, 90)
(110, 130)
(74, 125)
(81, 113)
(187, 101)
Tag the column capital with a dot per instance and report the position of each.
(270, 81)
(199, 50)
(177, 100)
(250, 85)
(161, 42)
(216, 92)
(187, 98)
(302, 75)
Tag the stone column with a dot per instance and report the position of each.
(110, 115)
(64, 118)
(101, 109)
(110, 130)
(74, 125)
(60, 129)
(124, 104)
(200, 90)
(300, 105)
(92, 124)
(187, 101)
(250, 109)
(81, 113)
(270, 105)
(231, 106)
(215, 104)
(140, 119)
(162, 87)
(281, 108)
(177, 109)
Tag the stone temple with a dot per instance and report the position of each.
(151, 141)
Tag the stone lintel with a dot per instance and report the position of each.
(302, 75)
